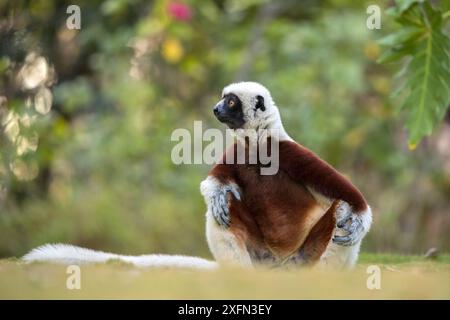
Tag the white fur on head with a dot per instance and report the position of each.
(257, 119)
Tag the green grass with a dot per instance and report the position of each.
(402, 277)
(399, 259)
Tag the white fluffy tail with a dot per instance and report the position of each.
(67, 254)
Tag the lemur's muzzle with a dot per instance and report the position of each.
(232, 118)
(220, 112)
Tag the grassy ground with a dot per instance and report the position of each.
(402, 277)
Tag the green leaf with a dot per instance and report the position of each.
(402, 37)
(403, 5)
(391, 55)
(426, 77)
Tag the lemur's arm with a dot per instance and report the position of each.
(218, 187)
(302, 165)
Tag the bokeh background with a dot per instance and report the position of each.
(87, 115)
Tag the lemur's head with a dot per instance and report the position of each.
(247, 105)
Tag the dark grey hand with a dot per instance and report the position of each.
(351, 223)
(219, 204)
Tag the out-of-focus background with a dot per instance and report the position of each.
(87, 116)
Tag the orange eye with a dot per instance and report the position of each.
(231, 103)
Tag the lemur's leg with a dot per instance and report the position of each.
(320, 236)
(317, 240)
(225, 246)
(350, 230)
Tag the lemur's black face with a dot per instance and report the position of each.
(229, 111)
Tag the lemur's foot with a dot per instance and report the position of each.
(219, 204)
(355, 225)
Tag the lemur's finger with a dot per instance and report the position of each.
(356, 225)
(223, 200)
(214, 208)
(225, 206)
(224, 222)
(236, 194)
(220, 219)
(348, 225)
(223, 210)
(342, 240)
(342, 222)
(217, 211)
(234, 191)
(355, 234)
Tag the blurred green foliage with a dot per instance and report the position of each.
(89, 163)
(426, 87)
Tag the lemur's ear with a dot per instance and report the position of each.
(260, 103)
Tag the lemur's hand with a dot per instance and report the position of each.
(219, 203)
(355, 225)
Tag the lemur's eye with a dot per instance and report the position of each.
(231, 103)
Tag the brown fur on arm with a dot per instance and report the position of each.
(307, 168)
